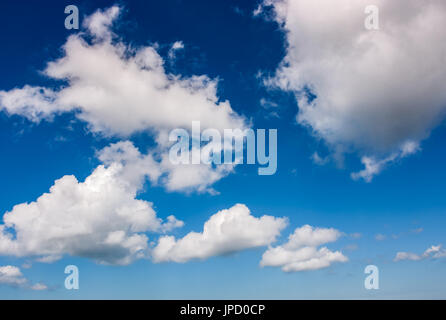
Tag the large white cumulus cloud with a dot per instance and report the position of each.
(120, 90)
(376, 90)
(227, 231)
(100, 218)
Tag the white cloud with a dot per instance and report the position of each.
(99, 218)
(267, 104)
(135, 166)
(300, 253)
(33, 103)
(120, 90)
(195, 177)
(406, 256)
(372, 166)
(312, 237)
(377, 92)
(257, 11)
(434, 252)
(227, 231)
(39, 287)
(12, 276)
(100, 22)
(177, 45)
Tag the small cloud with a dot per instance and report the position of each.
(356, 235)
(406, 256)
(434, 252)
(380, 237)
(13, 276)
(172, 223)
(373, 166)
(39, 287)
(320, 161)
(271, 107)
(267, 104)
(304, 250)
(257, 11)
(177, 45)
(417, 230)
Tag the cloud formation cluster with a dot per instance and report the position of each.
(119, 90)
(100, 218)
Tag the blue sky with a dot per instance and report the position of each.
(404, 201)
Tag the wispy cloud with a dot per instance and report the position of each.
(434, 252)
